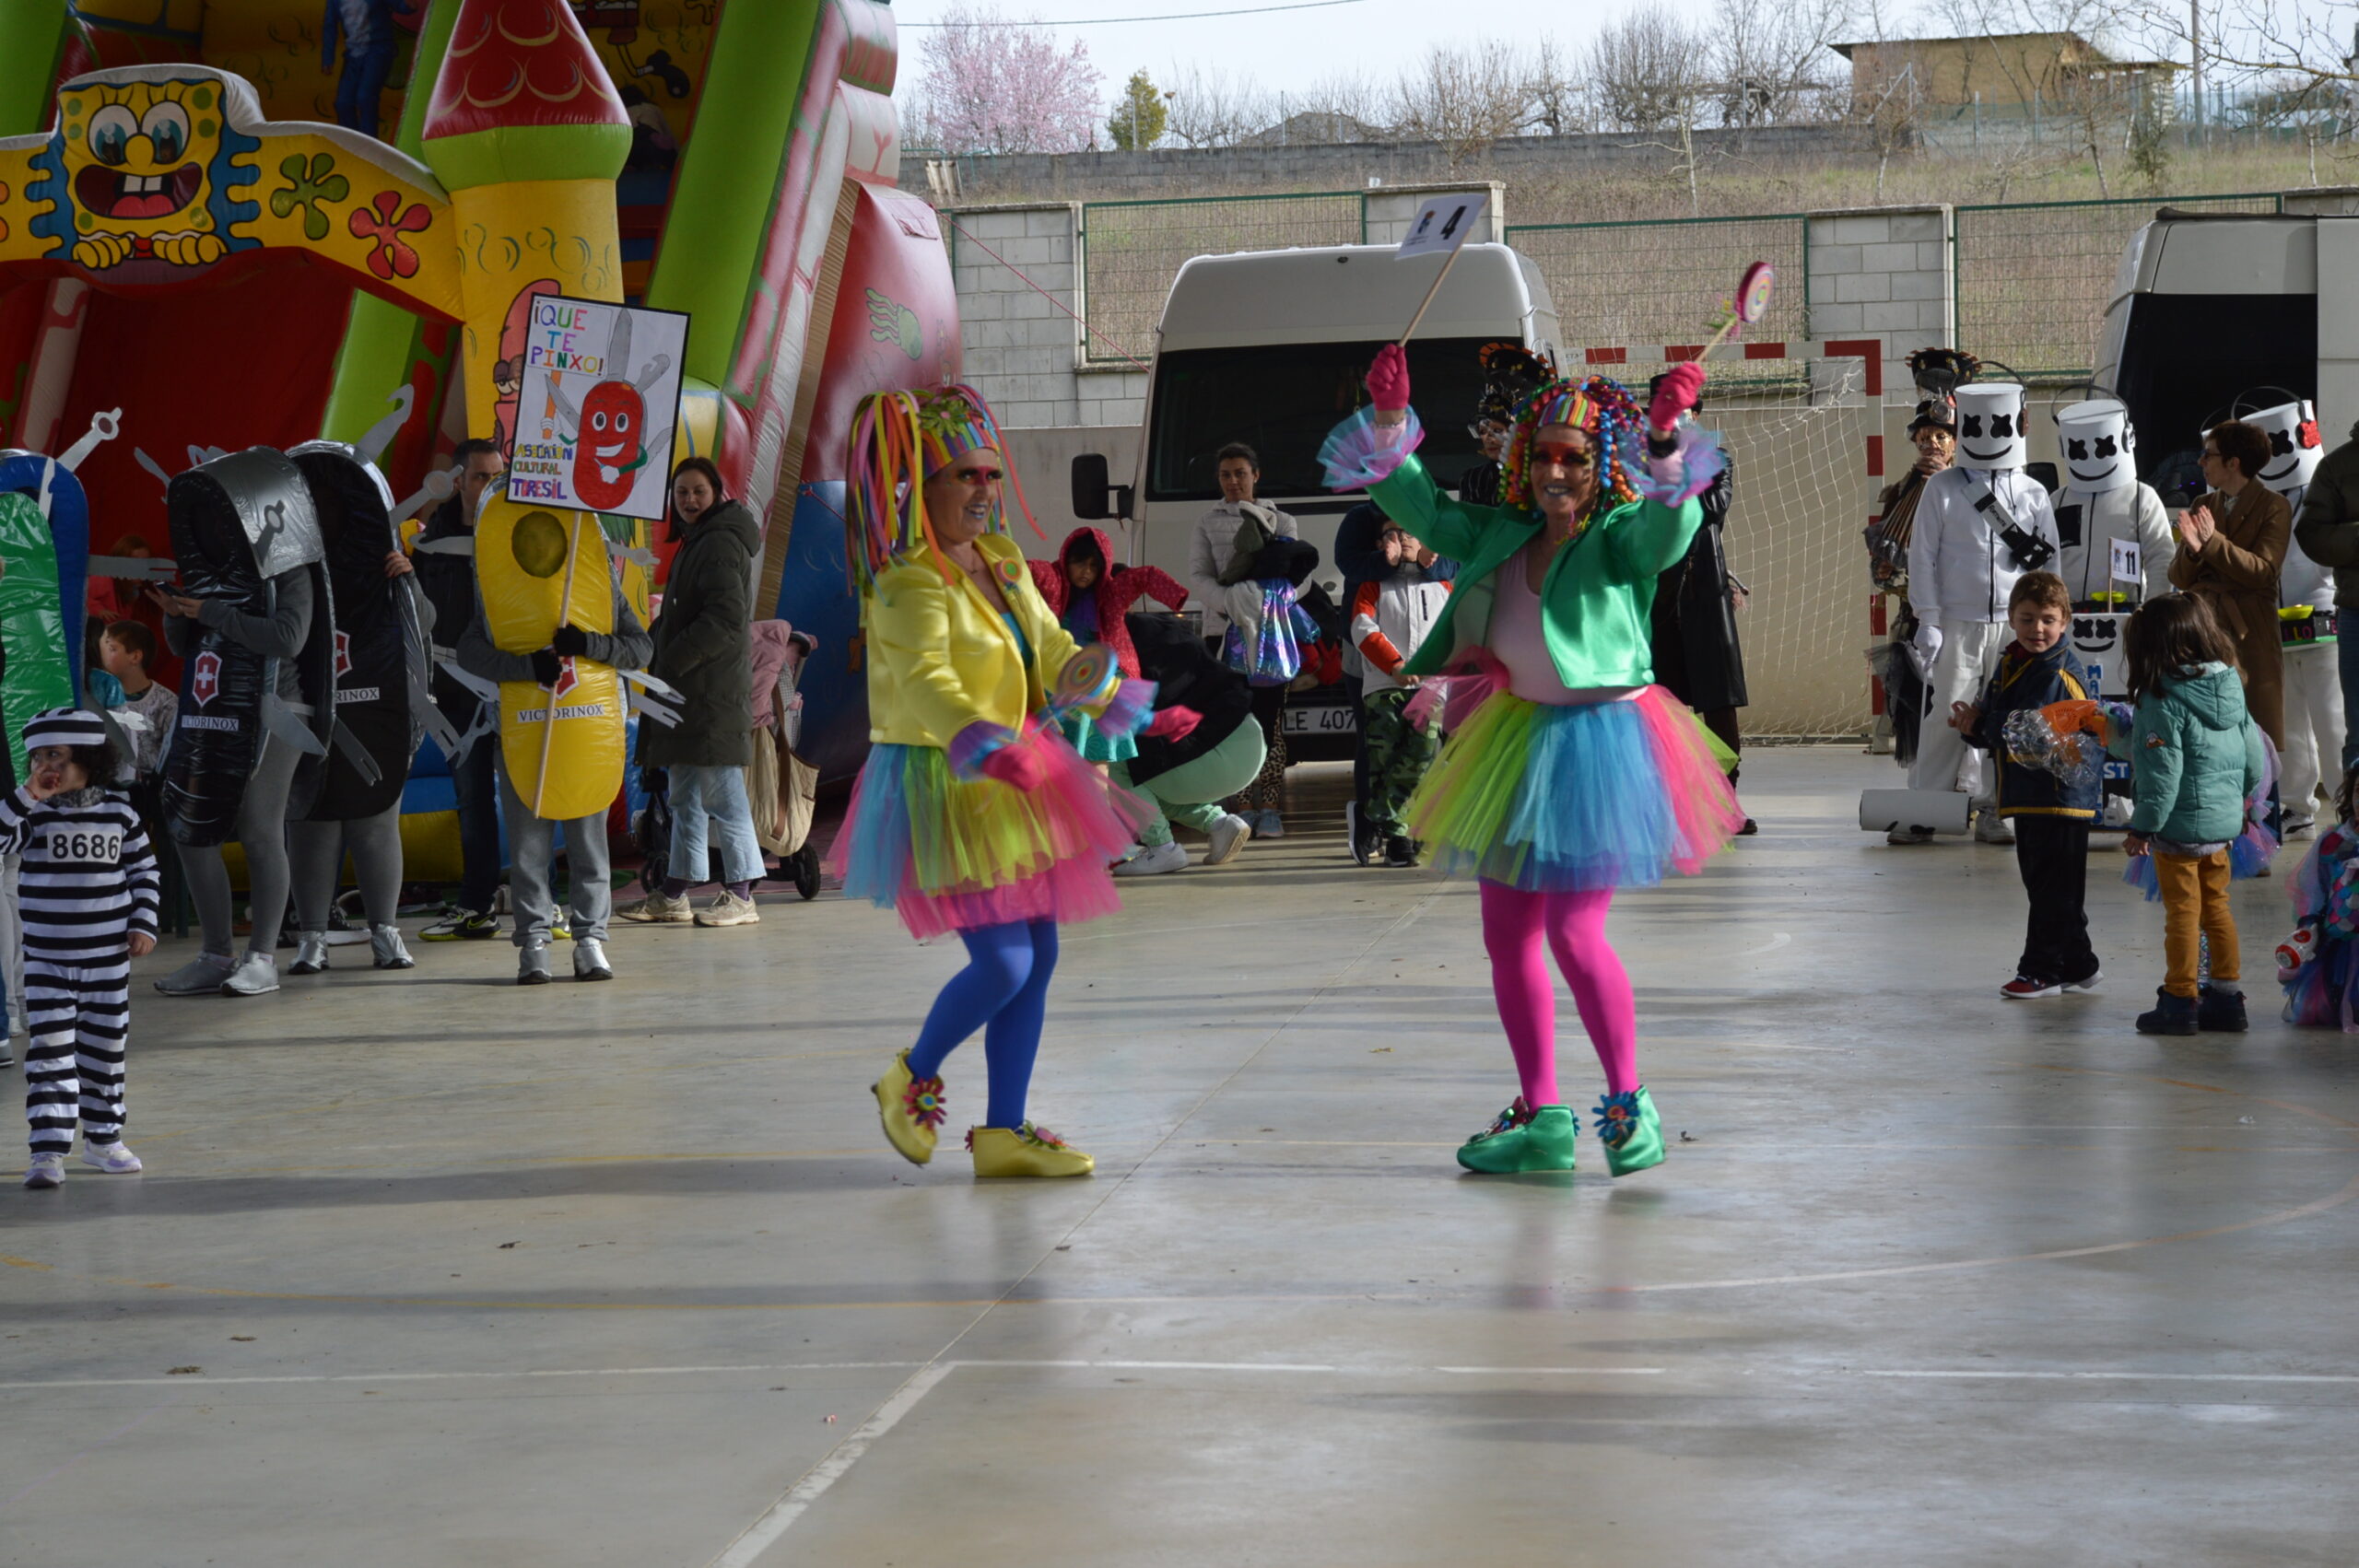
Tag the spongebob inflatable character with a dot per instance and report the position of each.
(148, 171)
(152, 176)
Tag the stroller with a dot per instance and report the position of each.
(783, 788)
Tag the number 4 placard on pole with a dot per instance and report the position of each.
(1442, 225)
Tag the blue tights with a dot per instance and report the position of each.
(1004, 990)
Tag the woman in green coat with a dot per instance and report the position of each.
(1568, 772)
(704, 648)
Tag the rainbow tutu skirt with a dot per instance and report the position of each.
(1574, 798)
(955, 855)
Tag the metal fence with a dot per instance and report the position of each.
(1132, 250)
(2034, 278)
(1645, 281)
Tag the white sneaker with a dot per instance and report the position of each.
(728, 909)
(590, 960)
(386, 949)
(1165, 856)
(112, 1158)
(201, 976)
(310, 954)
(655, 909)
(1229, 835)
(256, 975)
(533, 963)
(47, 1170)
(2298, 827)
(1990, 827)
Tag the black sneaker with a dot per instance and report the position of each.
(462, 925)
(1364, 843)
(1400, 851)
(2221, 1013)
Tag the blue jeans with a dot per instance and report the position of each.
(2347, 659)
(717, 793)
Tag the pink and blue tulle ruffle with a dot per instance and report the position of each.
(1359, 452)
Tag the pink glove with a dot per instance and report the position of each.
(1018, 767)
(1175, 723)
(1681, 385)
(1388, 379)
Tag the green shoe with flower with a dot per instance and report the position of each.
(1631, 1131)
(1524, 1137)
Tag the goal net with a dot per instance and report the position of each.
(1798, 445)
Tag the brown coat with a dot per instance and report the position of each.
(2236, 573)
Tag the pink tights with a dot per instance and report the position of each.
(1516, 927)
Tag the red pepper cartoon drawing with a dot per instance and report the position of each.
(610, 427)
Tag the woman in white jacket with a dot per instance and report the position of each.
(1238, 469)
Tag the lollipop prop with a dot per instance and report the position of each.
(1750, 302)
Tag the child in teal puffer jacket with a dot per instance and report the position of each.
(2196, 756)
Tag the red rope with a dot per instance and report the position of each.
(1051, 299)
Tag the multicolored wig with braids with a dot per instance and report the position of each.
(1598, 405)
(899, 439)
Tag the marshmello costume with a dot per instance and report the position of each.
(2102, 499)
(1980, 525)
(2313, 712)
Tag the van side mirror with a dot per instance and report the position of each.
(1094, 498)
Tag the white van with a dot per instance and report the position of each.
(2209, 305)
(1268, 347)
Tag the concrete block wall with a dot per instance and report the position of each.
(1883, 273)
(1386, 211)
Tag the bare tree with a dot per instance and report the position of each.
(1216, 109)
(1773, 58)
(1646, 71)
(2307, 52)
(1464, 99)
(1887, 104)
(1555, 99)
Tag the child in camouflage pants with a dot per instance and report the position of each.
(1390, 619)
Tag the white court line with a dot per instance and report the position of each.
(1287, 1368)
(758, 1536)
(2123, 1376)
(1777, 940)
(200, 1380)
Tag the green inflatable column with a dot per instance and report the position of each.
(721, 202)
(33, 39)
(381, 339)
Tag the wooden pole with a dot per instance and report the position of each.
(564, 616)
(1448, 261)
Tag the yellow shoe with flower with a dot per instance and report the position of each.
(1026, 1151)
(911, 1109)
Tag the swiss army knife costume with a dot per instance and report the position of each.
(257, 698)
(555, 634)
(382, 644)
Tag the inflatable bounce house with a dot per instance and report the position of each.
(220, 229)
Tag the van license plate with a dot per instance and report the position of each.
(1334, 720)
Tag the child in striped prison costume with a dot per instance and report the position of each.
(89, 893)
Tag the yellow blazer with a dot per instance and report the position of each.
(940, 658)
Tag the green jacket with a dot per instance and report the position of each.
(2327, 526)
(2195, 754)
(1596, 603)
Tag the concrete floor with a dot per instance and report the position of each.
(427, 1270)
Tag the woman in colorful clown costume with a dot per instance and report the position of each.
(1569, 773)
(973, 814)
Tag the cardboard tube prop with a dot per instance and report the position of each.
(1942, 811)
(237, 523)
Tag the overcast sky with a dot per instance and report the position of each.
(1371, 37)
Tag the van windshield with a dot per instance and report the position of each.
(1282, 399)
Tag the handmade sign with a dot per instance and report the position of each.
(598, 400)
